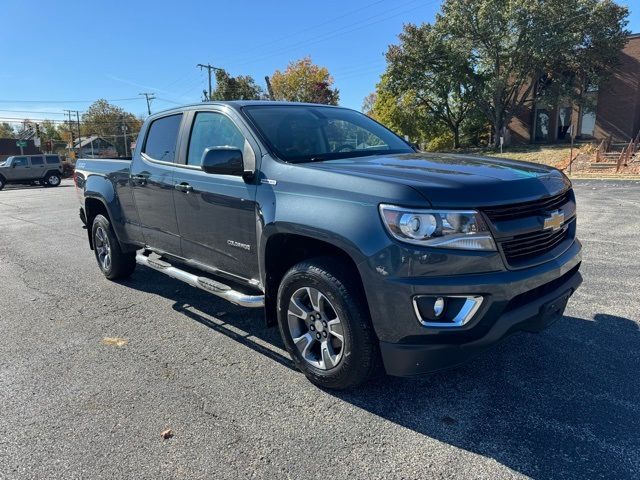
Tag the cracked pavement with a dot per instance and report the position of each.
(561, 404)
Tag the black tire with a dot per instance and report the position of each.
(52, 180)
(358, 357)
(120, 264)
(2, 182)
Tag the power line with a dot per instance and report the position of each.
(70, 101)
(363, 23)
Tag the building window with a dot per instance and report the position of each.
(542, 125)
(587, 123)
(564, 122)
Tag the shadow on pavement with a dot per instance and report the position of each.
(563, 403)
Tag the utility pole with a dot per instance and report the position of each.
(70, 132)
(269, 89)
(124, 132)
(209, 68)
(149, 97)
(79, 134)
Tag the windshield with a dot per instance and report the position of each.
(304, 133)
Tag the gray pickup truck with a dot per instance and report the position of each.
(367, 254)
(45, 170)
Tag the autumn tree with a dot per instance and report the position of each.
(107, 120)
(303, 81)
(242, 87)
(6, 130)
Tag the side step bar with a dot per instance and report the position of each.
(203, 283)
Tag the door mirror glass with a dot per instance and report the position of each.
(223, 161)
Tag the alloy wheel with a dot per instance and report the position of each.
(315, 328)
(103, 248)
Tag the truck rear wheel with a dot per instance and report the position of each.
(324, 323)
(52, 180)
(113, 262)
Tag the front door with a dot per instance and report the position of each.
(216, 213)
(151, 179)
(19, 169)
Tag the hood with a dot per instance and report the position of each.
(450, 180)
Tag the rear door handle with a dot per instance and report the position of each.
(184, 187)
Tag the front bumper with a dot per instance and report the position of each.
(514, 300)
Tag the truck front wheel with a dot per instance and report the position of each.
(325, 325)
(113, 262)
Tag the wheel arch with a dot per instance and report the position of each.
(284, 250)
(92, 208)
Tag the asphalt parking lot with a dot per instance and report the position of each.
(561, 404)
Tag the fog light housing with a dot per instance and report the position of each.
(446, 311)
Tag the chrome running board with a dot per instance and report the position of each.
(203, 283)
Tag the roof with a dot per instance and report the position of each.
(237, 104)
(84, 141)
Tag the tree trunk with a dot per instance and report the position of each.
(456, 137)
(498, 125)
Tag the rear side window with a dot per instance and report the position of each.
(162, 138)
(37, 161)
(51, 159)
(20, 161)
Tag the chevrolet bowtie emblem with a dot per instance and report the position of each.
(554, 221)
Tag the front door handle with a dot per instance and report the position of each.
(139, 179)
(184, 187)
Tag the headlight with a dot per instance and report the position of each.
(463, 229)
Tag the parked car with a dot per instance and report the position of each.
(364, 252)
(45, 170)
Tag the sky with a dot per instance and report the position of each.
(66, 54)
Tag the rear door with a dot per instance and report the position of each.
(37, 167)
(151, 180)
(217, 214)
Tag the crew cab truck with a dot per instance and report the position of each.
(45, 170)
(366, 253)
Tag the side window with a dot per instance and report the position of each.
(212, 129)
(162, 138)
(37, 161)
(20, 161)
(52, 159)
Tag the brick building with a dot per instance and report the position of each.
(617, 111)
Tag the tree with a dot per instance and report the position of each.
(401, 113)
(303, 81)
(49, 131)
(107, 121)
(242, 87)
(533, 51)
(6, 130)
(434, 68)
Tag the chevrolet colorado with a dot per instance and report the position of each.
(364, 252)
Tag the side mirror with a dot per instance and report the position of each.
(223, 161)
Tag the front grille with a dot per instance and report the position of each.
(531, 245)
(527, 209)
